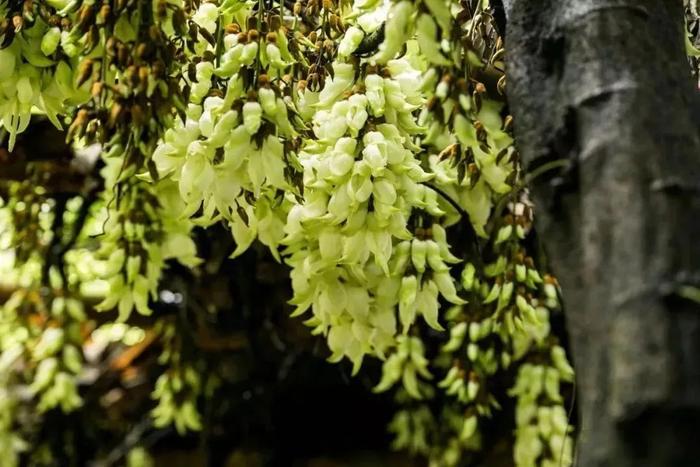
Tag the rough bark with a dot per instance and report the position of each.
(605, 84)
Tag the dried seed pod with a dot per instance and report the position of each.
(91, 129)
(115, 114)
(86, 17)
(432, 102)
(17, 22)
(93, 38)
(232, 28)
(104, 14)
(476, 98)
(507, 123)
(77, 127)
(96, 88)
(144, 74)
(143, 50)
(132, 75)
(84, 71)
(122, 55)
(111, 46)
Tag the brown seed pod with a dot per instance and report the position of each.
(84, 71)
(122, 55)
(143, 50)
(17, 22)
(132, 75)
(329, 46)
(144, 74)
(86, 17)
(91, 129)
(96, 88)
(111, 46)
(115, 114)
(232, 28)
(507, 123)
(93, 38)
(104, 14)
(77, 127)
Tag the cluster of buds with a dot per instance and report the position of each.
(475, 166)
(42, 327)
(34, 77)
(543, 433)
(129, 60)
(141, 233)
(234, 154)
(133, 268)
(364, 193)
(177, 390)
(29, 220)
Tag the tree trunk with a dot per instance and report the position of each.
(605, 85)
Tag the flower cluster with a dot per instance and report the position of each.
(141, 233)
(364, 143)
(33, 76)
(233, 155)
(361, 242)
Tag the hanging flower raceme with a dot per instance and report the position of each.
(233, 156)
(141, 231)
(34, 76)
(352, 244)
